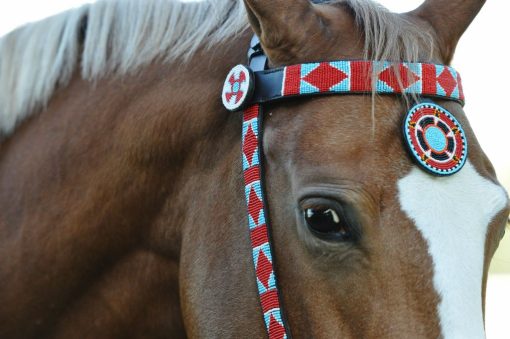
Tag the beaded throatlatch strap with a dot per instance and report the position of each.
(434, 137)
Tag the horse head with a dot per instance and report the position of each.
(367, 244)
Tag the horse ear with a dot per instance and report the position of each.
(280, 23)
(449, 19)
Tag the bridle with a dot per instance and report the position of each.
(435, 139)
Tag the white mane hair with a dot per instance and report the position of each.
(120, 36)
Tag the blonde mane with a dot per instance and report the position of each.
(120, 36)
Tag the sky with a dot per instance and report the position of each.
(485, 77)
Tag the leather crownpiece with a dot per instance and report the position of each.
(435, 139)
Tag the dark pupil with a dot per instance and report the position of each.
(325, 221)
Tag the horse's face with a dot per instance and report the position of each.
(367, 244)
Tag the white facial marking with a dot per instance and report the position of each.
(453, 214)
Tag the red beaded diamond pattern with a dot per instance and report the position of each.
(447, 81)
(259, 232)
(324, 77)
(390, 76)
(329, 77)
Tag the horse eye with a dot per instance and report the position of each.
(327, 223)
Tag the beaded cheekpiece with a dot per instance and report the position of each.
(435, 138)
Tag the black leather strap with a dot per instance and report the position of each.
(257, 59)
(268, 85)
(268, 82)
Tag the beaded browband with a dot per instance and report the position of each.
(434, 137)
(244, 87)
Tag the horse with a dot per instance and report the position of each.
(121, 178)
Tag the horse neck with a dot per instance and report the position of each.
(141, 164)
